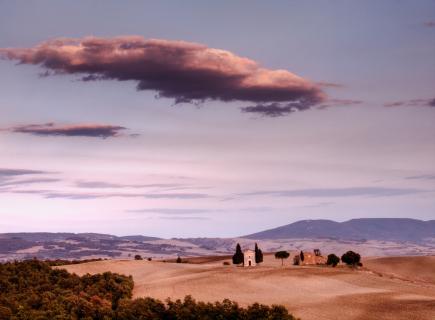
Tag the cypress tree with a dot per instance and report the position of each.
(258, 254)
(238, 256)
(302, 255)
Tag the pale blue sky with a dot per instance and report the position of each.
(210, 158)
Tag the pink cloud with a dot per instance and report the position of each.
(184, 71)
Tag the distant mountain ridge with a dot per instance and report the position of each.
(57, 236)
(387, 237)
(387, 229)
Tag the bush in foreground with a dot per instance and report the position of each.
(33, 290)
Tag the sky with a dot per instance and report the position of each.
(214, 119)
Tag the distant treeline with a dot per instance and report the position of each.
(63, 262)
(33, 290)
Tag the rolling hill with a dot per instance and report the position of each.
(386, 229)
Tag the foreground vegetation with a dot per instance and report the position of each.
(33, 290)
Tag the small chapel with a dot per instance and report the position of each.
(249, 258)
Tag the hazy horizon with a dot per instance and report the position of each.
(214, 119)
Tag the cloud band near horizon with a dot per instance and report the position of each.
(187, 72)
(77, 130)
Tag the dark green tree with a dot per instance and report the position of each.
(351, 258)
(302, 256)
(282, 255)
(179, 259)
(333, 260)
(238, 256)
(138, 257)
(258, 254)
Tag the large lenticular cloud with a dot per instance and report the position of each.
(186, 72)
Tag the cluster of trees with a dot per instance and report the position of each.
(34, 290)
(350, 258)
(238, 257)
(139, 257)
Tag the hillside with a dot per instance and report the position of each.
(310, 293)
(370, 237)
(383, 229)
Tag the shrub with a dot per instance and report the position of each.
(149, 259)
(351, 258)
(226, 263)
(138, 257)
(333, 260)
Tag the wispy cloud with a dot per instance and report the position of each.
(187, 72)
(171, 211)
(340, 102)
(429, 24)
(422, 177)
(279, 110)
(184, 218)
(75, 130)
(49, 194)
(27, 181)
(412, 103)
(8, 172)
(337, 192)
(109, 185)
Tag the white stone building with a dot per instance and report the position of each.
(249, 258)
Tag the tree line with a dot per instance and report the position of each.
(350, 258)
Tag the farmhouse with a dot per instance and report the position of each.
(310, 258)
(249, 258)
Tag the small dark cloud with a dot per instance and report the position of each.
(5, 172)
(337, 192)
(422, 177)
(187, 72)
(429, 24)
(412, 103)
(276, 109)
(76, 130)
(281, 109)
